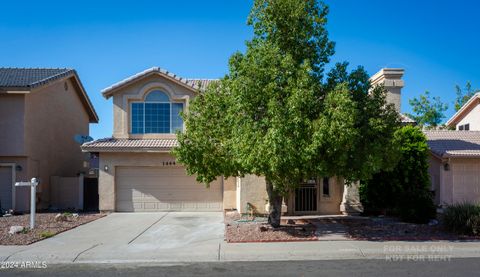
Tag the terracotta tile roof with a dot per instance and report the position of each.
(30, 77)
(130, 145)
(197, 84)
(201, 84)
(454, 143)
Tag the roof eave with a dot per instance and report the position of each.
(110, 91)
(458, 115)
(93, 116)
(125, 150)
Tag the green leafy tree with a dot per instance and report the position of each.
(429, 112)
(405, 190)
(463, 95)
(273, 115)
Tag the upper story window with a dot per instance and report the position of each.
(156, 115)
(465, 127)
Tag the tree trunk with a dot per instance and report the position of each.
(275, 201)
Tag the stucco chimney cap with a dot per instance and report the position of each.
(385, 74)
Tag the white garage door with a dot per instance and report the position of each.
(144, 189)
(466, 182)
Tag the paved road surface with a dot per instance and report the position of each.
(456, 267)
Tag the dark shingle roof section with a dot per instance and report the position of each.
(30, 77)
(454, 143)
(130, 145)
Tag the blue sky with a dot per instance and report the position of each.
(437, 42)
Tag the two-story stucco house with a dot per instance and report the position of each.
(139, 173)
(41, 110)
(468, 117)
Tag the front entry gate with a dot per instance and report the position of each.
(306, 197)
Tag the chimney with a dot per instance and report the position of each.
(391, 79)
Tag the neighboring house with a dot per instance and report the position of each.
(137, 171)
(454, 166)
(468, 117)
(41, 110)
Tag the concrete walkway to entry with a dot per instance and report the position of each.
(199, 237)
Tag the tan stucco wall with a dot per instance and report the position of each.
(12, 110)
(251, 189)
(137, 92)
(331, 205)
(106, 182)
(472, 118)
(229, 193)
(53, 116)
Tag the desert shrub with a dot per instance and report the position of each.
(403, 191)
(46, 234)
(462, 218)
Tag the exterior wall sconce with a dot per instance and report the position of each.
(446, 167)
(106, 168)
(18, 167)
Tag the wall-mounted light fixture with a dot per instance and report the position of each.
(105, 167)
(18, 167)
(446, 167)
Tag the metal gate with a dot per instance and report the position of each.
(306, 198)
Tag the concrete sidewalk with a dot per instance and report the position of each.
(213, 252)
(184, 237)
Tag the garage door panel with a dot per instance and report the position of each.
(164, 189)
(466, 183)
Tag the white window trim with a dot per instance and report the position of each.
(153, 102)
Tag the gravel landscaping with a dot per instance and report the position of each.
(387, 229)
(45, 226)
(246, 229)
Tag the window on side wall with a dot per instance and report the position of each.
(156, 115)
(326, 187)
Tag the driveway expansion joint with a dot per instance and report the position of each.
(19, 251)
(90, 248)
(146, 229)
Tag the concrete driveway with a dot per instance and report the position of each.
(120, 237)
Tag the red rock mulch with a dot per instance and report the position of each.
(45, 226)
(260, 231)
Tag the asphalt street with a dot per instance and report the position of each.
(454, 267)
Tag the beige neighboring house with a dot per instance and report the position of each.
(454, 166)
(41, 110)
(137, 171)
(468, 117)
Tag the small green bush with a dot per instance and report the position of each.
(67, 214)
(462, 218)
(46, 234)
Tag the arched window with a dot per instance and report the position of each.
(156, 115)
